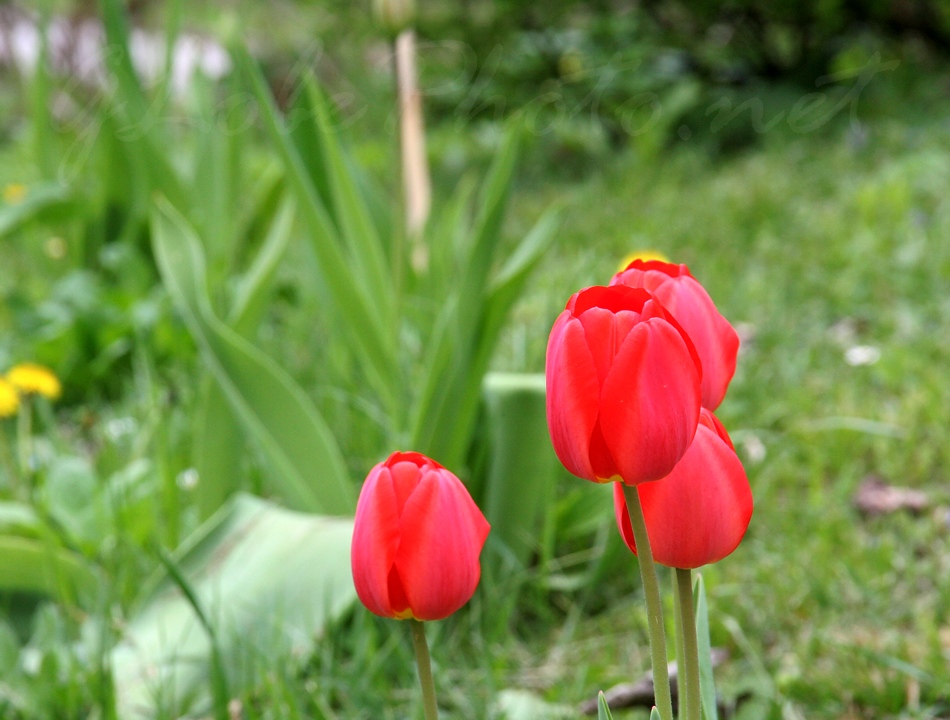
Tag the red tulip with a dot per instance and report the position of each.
(416, 540)
(715, 339)
(699, 512)
(623, 386)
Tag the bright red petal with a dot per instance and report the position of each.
(375, 541)
(649, 404)
(572, 395)
(443, 532)
(699, 513)
(715, 339)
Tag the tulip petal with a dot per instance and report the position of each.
(572, 395)
(715, 339)
(375, 541)
(442, 533)
(605, 331)
(699, 513)
(650, 402)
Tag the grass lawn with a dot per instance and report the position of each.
(829, 251)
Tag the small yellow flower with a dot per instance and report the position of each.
(9, 400)
(14, 193)
(31, 378)
(642, 255)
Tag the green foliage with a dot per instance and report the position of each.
(253, 576)
(814, 243)
(307, 467)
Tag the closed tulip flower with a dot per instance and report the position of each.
(716, 342)
(416, 540)
(699, 513)
(623, 386)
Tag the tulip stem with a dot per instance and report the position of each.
(421, 647)
(688, 665)
(651, 589)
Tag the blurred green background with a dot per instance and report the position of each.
(206, 247)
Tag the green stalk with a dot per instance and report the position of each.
(24, 438)
(688, 665)
(6, 459)
(421, 648)
(651, 589)
(680, 651)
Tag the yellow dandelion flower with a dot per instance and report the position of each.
(14, 193)
(31, 378)
(9, 400)
(644, 255)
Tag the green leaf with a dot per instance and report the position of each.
(217, 428)
(254, 286)
(44, 201)
(707, 685)
(603, 710)
(655, 714)
(276, 413)
(263, 576)
(522, 465)
(352, 213)
(39, 566)
(361, 316)
(448, 407)
(139, 126)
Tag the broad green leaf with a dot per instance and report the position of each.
(40, 566)
(19, 518)
(527, 705)
(450, 398)
(264, 577)
(47, 200)
(361, 316)
(307, 464)
(353, 216)
(139, 127)
(217, 429)
(603, 709)
(707, 684)
(522, 466)
(251, 296)
(493, 200)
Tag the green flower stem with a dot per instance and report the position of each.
(421, 647)
(651, 589)
(688, 664)
(25, 439)
(6, 459)
(680, 650)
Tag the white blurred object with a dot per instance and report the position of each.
(77, 51)
(862, 355)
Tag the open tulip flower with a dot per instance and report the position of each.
(698, 513)
(416, 540)
(716, 342)
(623, 386)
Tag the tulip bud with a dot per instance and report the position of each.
(716, 342)
(623, 386)
(394, 15)
(416, 540)
(698, 513)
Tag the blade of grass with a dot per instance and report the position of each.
(219, 678)
(707, 683)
